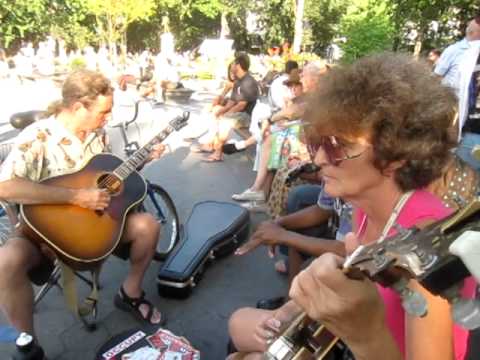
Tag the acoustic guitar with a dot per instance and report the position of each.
(83, 238)
(439, 257)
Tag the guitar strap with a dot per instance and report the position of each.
(89, 305)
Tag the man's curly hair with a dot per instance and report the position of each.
(395, 102)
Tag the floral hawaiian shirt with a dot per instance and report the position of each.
(46, 148)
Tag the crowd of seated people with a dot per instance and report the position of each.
(279, 136)
(391, 164)
(279, 92)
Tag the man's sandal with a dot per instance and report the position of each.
(132, 305)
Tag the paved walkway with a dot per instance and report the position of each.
(229, 283)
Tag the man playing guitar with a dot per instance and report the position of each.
(58, 145)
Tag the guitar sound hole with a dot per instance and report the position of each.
(110, 182)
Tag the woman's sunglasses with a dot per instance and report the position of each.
(335, 151)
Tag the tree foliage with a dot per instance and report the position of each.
(72, 22)
(190, 22)
(323, 19)
(22, 19)
(79, 22)
(114, 16)
(367, 28)
(435, 23)
(277, 19)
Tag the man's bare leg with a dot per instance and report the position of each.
(142, 232)
(208, 139)
(17, 257)
(224, 128)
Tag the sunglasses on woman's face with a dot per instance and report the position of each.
(335, 151)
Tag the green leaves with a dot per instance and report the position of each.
(450, 16)
(367, 28)
(368, 25)
(21, 18)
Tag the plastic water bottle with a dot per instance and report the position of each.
(27, 349)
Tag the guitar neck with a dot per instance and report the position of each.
(141, 155)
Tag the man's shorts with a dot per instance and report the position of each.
(237, 120)
(40, 274)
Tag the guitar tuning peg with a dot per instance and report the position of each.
(401, 230)
(466, 313)
(412, 302)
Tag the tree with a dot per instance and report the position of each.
(114, 16)
(34, 20)
(367, 28)
(298, 35)
(276, 17)
(434, 22)
(320, 21)
(22, 19)
(190, 23)
(323, 18)
(72, 22)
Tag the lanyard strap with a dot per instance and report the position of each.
(394, 216)
(391, 220)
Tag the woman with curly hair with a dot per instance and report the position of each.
(384, 127)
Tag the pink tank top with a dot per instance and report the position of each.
(421, 206)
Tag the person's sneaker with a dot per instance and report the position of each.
(249, 195)
(255, 206)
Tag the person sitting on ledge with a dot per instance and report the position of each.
(235, 113)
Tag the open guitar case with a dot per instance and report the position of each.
(213, 229)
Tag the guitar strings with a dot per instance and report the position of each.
(111, 179)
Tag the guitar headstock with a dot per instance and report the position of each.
(422, 254)
(180, 121)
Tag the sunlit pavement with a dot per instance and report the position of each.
(228, 284)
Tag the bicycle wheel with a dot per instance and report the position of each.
(7, 219)
(161, 206)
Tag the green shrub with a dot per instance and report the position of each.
(78, 64)
(368, 29)
(205, 75)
